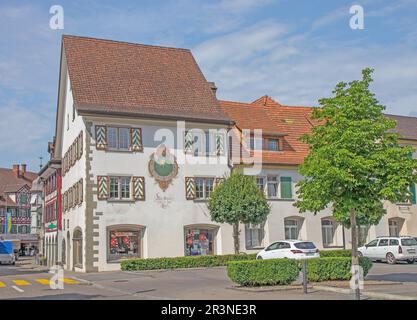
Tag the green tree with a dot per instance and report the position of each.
(355, 161)
(238, 200)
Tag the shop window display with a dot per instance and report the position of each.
(124, 244)
(198, 242)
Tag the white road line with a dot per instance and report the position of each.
(18, 289)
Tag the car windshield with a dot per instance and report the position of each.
(409, 242)
(305, 245)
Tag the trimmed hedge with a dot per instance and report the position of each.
(334, 268)
(335, 253)
(183, 262)
(263, 272)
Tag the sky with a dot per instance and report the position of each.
(294, 51)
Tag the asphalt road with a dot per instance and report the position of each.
(25, 282)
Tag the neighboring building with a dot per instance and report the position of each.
(36, 208)
(15, 186)
(50, 176)
(126, 194)
(282, 153)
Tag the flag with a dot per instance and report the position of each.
(8, 224)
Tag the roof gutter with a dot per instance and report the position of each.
(151, 116)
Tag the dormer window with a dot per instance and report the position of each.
(273, 144)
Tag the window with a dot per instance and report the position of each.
(124, 138)
(199, 241)
(286, 187)
(393, 242)
(112, 138)
(255, 144)
(291, 229)
(118, 138)
(408, 242)
(272, 182)
(203, 187)
(260, 182)
(273, 144)
(383, 243)
(254, 235)
(124, 244)
(328, 231)
(273, 246)
(394, 228)
(119, 187)
(373, 243)
(203, 144)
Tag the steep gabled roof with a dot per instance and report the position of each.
(114, 77)
(10, 183)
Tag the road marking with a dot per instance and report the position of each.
(2, 284)
(21, 282)
(68, 281)
(17, 289)
(43, 281)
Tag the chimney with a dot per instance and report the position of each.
(23, 168)
(16, 170)
(213, 87)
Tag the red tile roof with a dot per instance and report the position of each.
(274, 118)
(9, 182)
(406, 126)
(134, 79)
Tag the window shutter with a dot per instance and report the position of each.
(220, 144)
(136, 139)
(80, 145)
(413, 193)
(101, 137)
(138, 188)
(286, 187)
(75, 194)
(188, 143)
(80, 191)
(103, 187)
(189, 188)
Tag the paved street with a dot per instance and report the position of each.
(23, 282)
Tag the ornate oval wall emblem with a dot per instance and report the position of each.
(163, 166)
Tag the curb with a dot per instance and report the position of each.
(269, 289)
(370, 294)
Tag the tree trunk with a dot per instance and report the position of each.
(236, 236)
(355, 259)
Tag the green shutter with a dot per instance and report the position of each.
(413, 193)
(136, 139)
(139, 188)
(102, 187)
(286, 188)
(189, 188)
(188, 142)
(101, 137)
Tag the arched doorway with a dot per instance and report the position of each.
(68, 250)
(395, 226)
(64, 248)
(200, 239)
(77, 245)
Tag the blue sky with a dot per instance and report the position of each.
(294, 51)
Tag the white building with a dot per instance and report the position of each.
(133, 184)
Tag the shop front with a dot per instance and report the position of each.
(124, 243)
(200, 240)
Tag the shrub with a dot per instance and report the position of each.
(182, 262)
(263, 272)
(334, 268)
(335, 253)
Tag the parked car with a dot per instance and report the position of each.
(391, 249)
(292, 249)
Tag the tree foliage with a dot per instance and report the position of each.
(238, 200)
(355, 160)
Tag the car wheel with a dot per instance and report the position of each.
(410, 261)
(390, 258)
(259, 258)
(360, 255)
